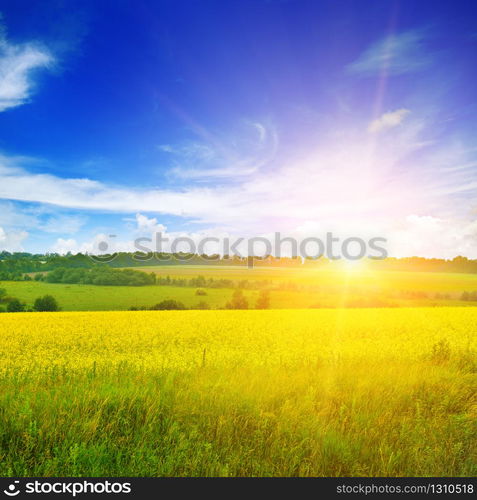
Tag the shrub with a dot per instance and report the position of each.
(46, 303)
(472, 296)
(168, 304)
(200, 291)
(101, 276)
(15, 306)
(238, 301)
(200, 281)
(202, 305)
(263, 301)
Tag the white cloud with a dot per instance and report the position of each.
(388, 120)
(12, 217)
(429, 236)
(12, 240)
(148, 225)
(395, 54)
(17, 63)
(252, 147)
(409, 235)
(412, 235)
(100, 244)
(210, 173)
(65, 224)
(175, 241)
(365, 188)
(63, 246)
(330, 183)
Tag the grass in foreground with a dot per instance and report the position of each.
(375, 392)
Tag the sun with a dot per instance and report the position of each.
(354, 266)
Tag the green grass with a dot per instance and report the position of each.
(209, 423)
(116, 298)
(108, 298)
(330, 289)
(329, 278)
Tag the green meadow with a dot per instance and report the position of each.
(289, 288)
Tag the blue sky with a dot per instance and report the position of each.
(238, 118)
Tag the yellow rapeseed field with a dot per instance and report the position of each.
(264, 393)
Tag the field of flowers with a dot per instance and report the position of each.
(360, 392)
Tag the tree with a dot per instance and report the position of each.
(15, 306)
(238, 301)
(263, 301)
(168, 304)
(202, 305)
(46, 303)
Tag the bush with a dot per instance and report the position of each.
(472, 296)
(200, 281)
(238, 301)
(15, 306)
(46, 303)
(263, 301)
(168, 304)
(101, 276)
(202, 305)
(200, 291)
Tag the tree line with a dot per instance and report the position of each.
(238, 301)
(98, 276)
(14, 266)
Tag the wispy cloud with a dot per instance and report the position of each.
(371, 184)
(17, 218)
(292, 192)
(17, 65)
(214, 173)
(396, 54)
(228, 158)
(63, 224)
(388, 120)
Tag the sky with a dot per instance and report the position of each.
(238, 118)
